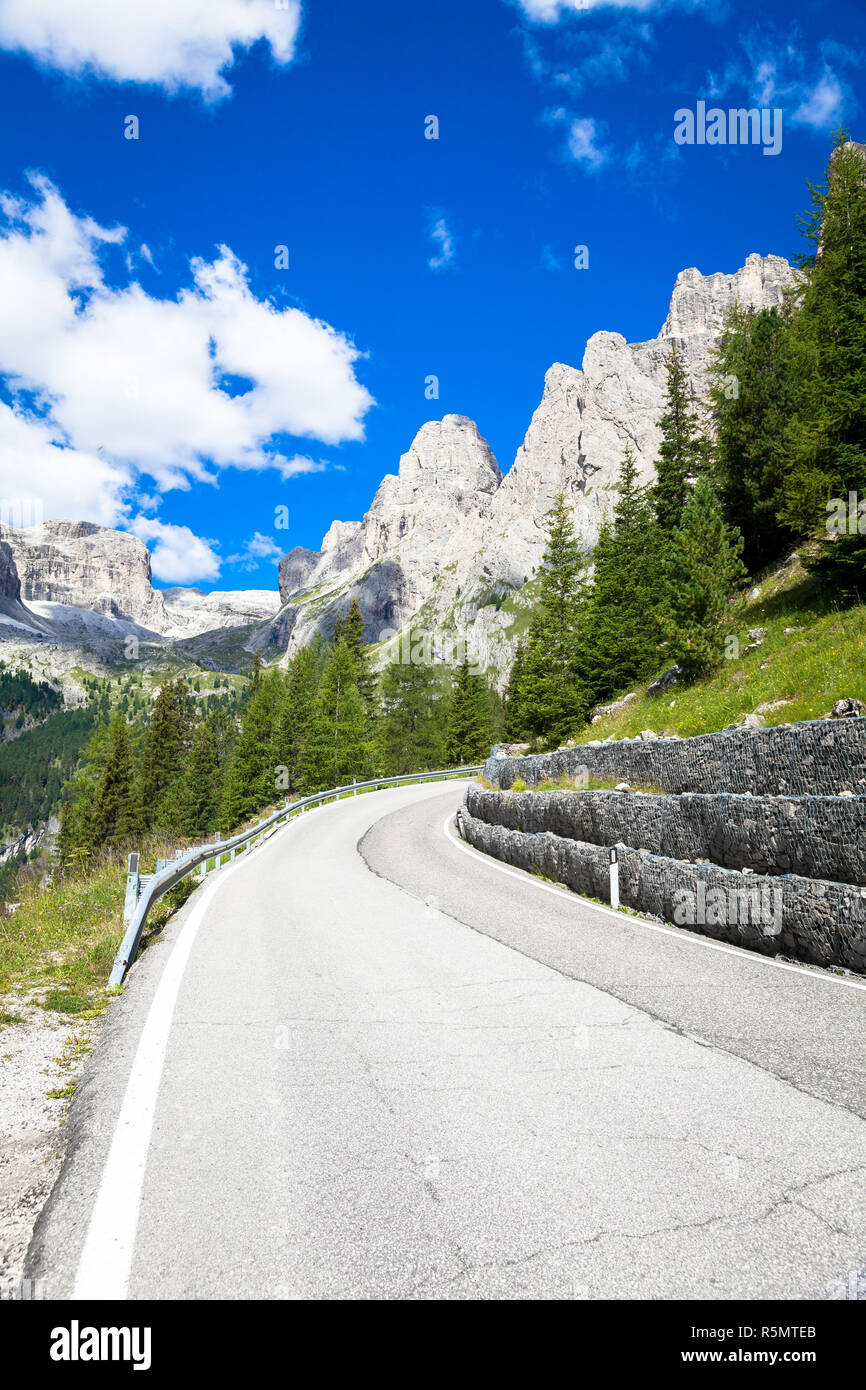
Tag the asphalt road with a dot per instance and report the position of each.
(370, 1063)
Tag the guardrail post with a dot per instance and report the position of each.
(354, 786)
(133, 879)
(614, 879)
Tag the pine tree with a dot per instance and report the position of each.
(166, 744)
(682, 453)
(296, 715)
(337, 746)
(515, 719)
(251, 775)
(617, 635)
(115, 816)
(353, 636)
(410, 732)
(827, 438)
(700, 568)
(468, 726)
(201, 789)
(553, 699)
(755, 382)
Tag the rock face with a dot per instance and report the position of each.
(449, 538)
(420, 523)
(79, 567)
(448, 543)
(86, 566)
(10, 584)
(296, 568)
(191, 611)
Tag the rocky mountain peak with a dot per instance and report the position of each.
(699, 302)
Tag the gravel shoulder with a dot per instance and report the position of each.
(43, 1053)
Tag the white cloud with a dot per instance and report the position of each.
(172, 43)
(299, 465)
(822, 106)
(256, 549)
(441, 235)
(551, 11)
(178, 556)
(136, 386)
(582, 137)
(581, 143)
(779, 71)
(63, 482)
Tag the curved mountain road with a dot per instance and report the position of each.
(369, 1063)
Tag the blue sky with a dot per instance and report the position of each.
(160, 372)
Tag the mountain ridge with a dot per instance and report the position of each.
(447, 540)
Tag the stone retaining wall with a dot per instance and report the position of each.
(815, 836)
(820, 757)
(813, 920)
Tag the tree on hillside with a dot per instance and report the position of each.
(410, 729)
(701, 567)
(515, 726)
(250, 779)
(166, 745)
(468, 723)
(827, 437)
(682, 455)
(618, 640)
(754, 392)
(200, 794)
(353, 636)
(552, 697)
(337, 746)
(296, 715)
(115, 816)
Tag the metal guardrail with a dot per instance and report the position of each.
(142, 891)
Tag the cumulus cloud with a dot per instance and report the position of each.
(441, 235)
(256, 549)
(178, 556)
(114, 385)
(171, 43)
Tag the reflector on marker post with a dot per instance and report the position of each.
(614, 879)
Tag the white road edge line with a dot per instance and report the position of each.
(565, 895)
(105, 1264)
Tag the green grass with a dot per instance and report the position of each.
(63, 1092)
(63, 939)
(7, 1018)
(809, 669)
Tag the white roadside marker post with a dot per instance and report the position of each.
(614, 879)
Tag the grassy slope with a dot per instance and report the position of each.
(809, 669)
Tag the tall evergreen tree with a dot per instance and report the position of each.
(682, 453)
(755, 382)
(353, 636)
(410, 730)
(251, 774)
(166, 745)
(701, 566)
(468, 727)
(337, 745)
(618, 638)
(827, 437)
(115, 816)
(201, 790)
(515, 717)
(553, 699)
(296, 715)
